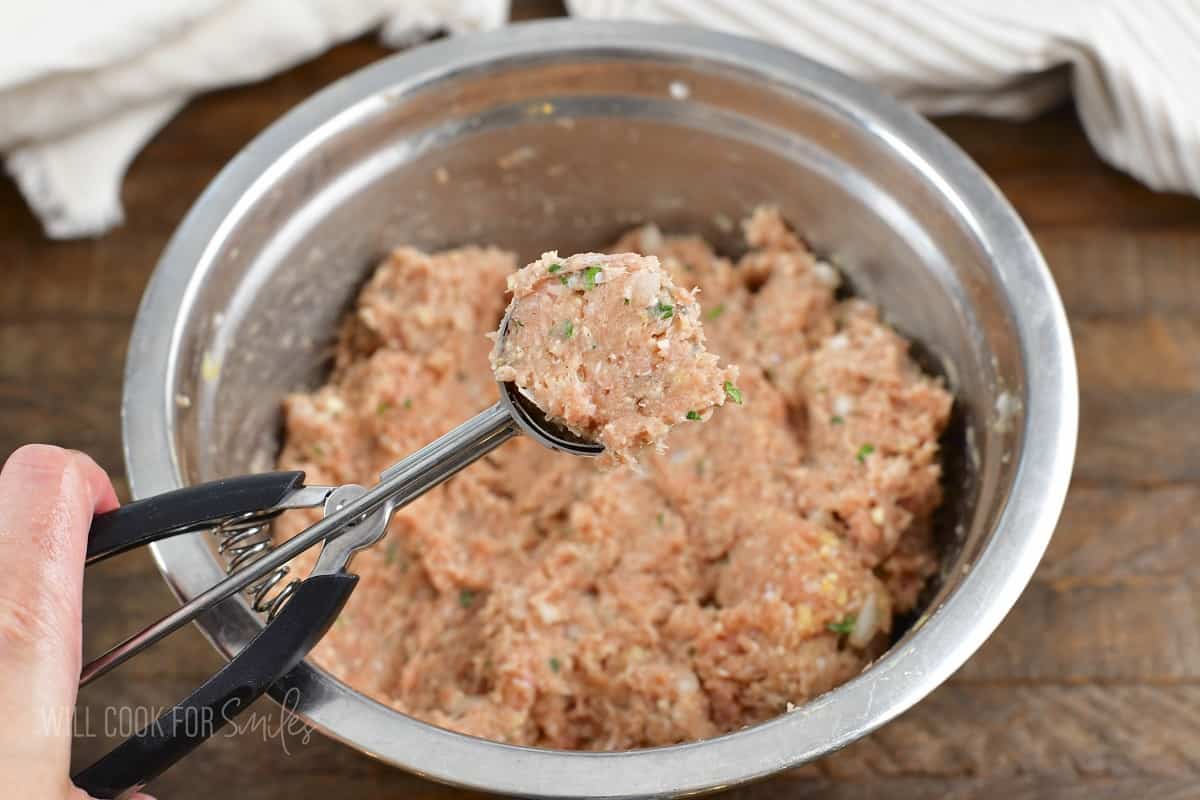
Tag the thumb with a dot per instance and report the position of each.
(47, 498)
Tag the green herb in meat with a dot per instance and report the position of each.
(589, 277)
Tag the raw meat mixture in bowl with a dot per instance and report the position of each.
(537, 599)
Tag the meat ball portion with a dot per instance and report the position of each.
(609, 347)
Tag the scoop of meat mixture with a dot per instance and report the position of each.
(538, 600)
(610, 347)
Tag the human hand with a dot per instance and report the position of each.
(47, 498)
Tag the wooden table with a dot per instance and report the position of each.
(1089, 690)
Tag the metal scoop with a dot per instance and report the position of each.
(399, 485)
(355, 518)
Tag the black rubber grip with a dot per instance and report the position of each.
(280, 646)
(183, 510)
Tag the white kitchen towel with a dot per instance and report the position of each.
(83, 85)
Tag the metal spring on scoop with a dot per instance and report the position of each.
(244, 539)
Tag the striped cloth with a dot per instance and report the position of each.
(84, 85)
(1132, 65)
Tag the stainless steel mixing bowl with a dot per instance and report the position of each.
(560, 135)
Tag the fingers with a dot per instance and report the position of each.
(47, 498)
(98, 480)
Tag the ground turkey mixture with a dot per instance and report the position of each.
(610, 347)
(538, 600)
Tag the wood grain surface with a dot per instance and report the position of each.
(1091, 687)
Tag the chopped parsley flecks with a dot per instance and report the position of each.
(555, 664)
(837, 419)
(733, 392)
(626, 301)
(846, 626)
(714, 312)
(863, 452)
(663, 310)
(563, 280)
(568, 329)
(693, 415)
(383, 407)
(553, 268)
(466, 598)
(518, 323)
(589, 277)
(318, 451)
(389, 554)
(660, 518)
(407, 403)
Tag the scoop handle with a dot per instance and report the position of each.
(185, 510)
(275, 651)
